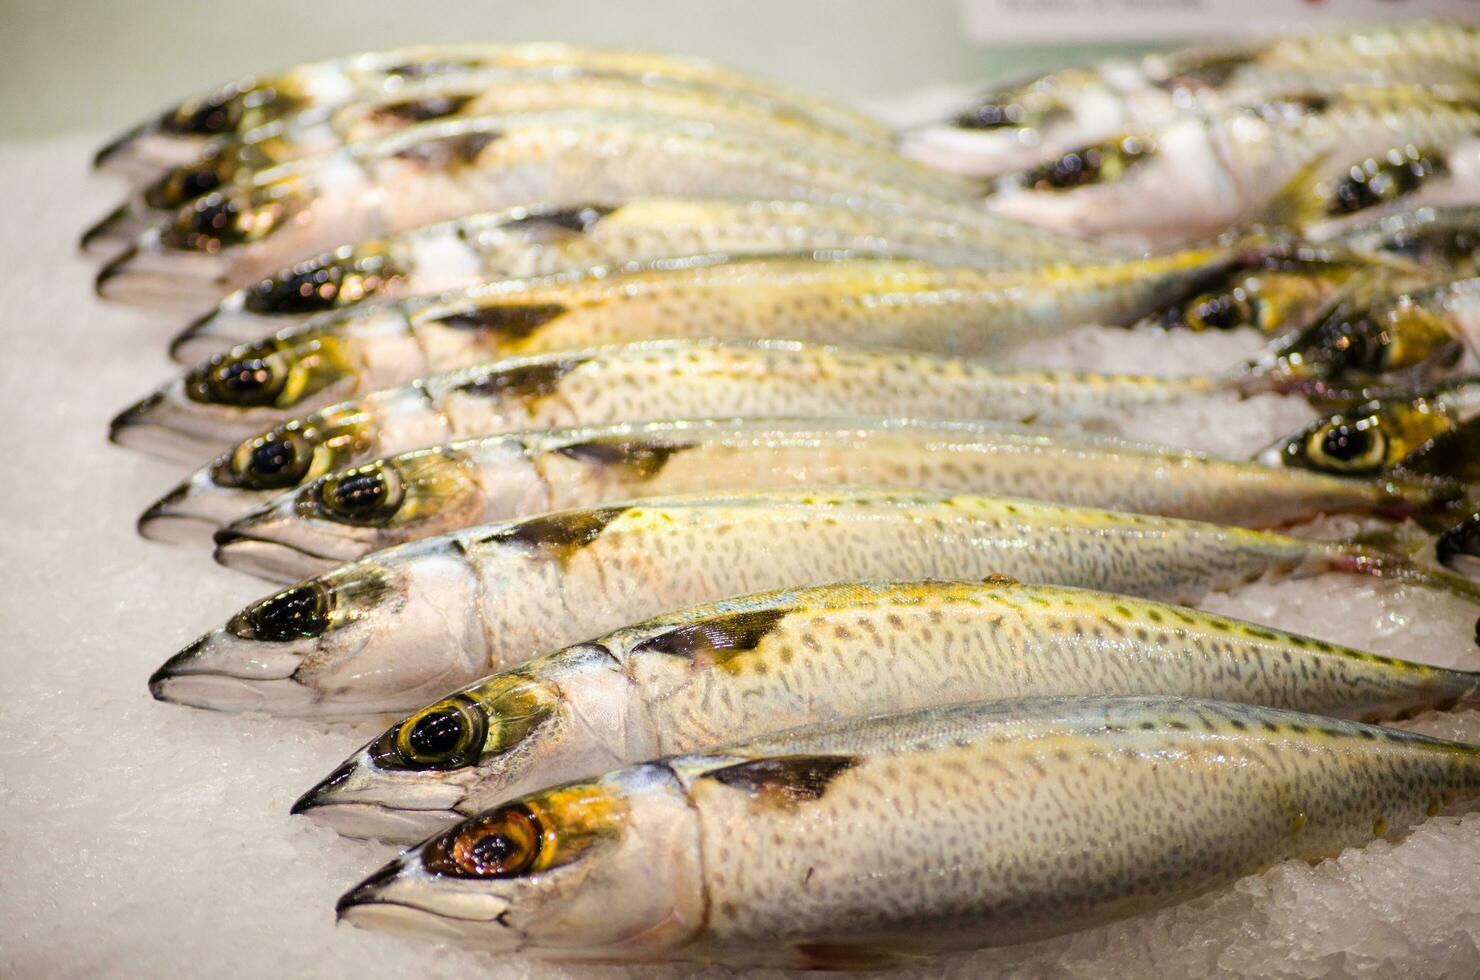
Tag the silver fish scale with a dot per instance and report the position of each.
(981, 825)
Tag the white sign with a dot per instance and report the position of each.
(1002, 22)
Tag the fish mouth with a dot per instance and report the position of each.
(276, 561)
(145, 275)
(378, 902)
(149, 426)
(211, 674)
(376, 822)
(116, 231)
(350, 801)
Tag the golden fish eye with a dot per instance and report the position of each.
(1099, 164)
(1220, 311)
(251, 379)
(1380, 181)
(190, 181)
(365, 495)
(993, 115)
(446, 735)
(1348, 447)
(312, 287)
(301, 612)
(500, 844)
(205, 117)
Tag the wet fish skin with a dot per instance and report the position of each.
(528, 242)
(630, 383)
(822, 298)
(247, 106)
(743, 667)
(1427, 430)
(442, 170)
(946, 828)
(345, 515)
(391, 630)
(474, 96)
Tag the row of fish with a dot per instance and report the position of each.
(739, 504)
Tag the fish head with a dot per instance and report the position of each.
(240, 391)
(1401, 339)
(259, 468)
(600, 869)
(508, 734)
(1167, 186)
(1010, 127)
(350, 512)
(1365, 440)
(380, 634)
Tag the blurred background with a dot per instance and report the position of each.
(100, 64)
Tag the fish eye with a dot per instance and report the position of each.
(993, 115)
(278, 460)
(1378, 181)
(1099, 164)
(1348, 447)
(325, 284)
(500, 844)
(1220, 311)
(298, 613)
(248, 379)
(188, 182)
(217, 220)
(447, 735)
(205, 117)
(365, 495)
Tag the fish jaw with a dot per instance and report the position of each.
(144, 152)
(169, 424)
(350, 801)
(147, 275)
(374, 636)
(115, 232)
(275, 561)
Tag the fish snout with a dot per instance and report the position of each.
(403, 899)
(113, 234)
(254, 549)
(188, 514)
(222, 672)
(351, 802)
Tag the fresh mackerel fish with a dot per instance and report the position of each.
(861, 301)
(529, 242)
(744, 667)
(1319, 165)
(259, 106)
(442, 170)
(394, 629)
(882, 841)
(498, 93)
(350, 513)
(635, 382)
(1019, 124)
